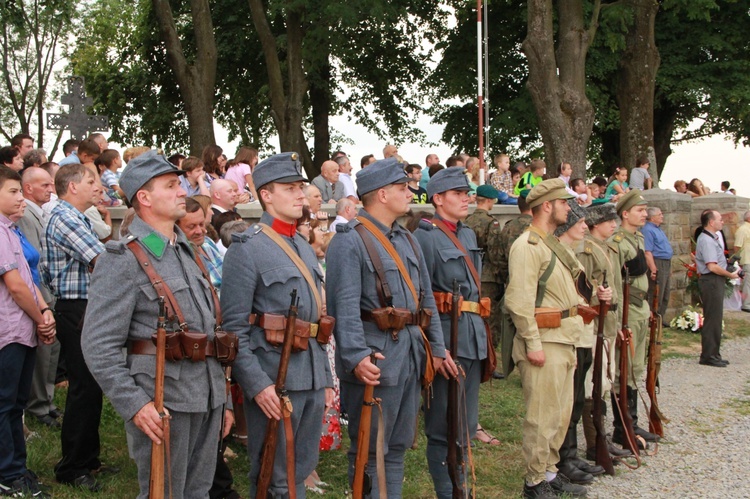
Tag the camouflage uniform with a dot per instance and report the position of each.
(487, 230)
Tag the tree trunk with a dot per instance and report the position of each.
(664, 119)
(286, 97)
(635, 90)
(557, 79)
(196, 81)
(320, 100)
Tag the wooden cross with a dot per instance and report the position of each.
(76, 120)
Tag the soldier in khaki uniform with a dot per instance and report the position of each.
(487, 229)
(503, 241)
(629, 241)
(545, 355)
(597, 254)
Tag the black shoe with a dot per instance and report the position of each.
(746, 309)
(719, 359)
(712, 363)
(24, 486)
(562, 486)
(586, 467)
(49, 421)
(542, 490)
(86, 482)
(498, 375)
(615, 451)
(646, 435)
(573, 474)
(56, 413)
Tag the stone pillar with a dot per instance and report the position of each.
(732, 209)
(677, 211)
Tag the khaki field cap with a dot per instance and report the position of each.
(547, 190)
(632, 198)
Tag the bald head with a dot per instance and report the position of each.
(390, 150)
(37, 185)
(330, 171)
(224, 193)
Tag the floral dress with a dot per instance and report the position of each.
(330, 438)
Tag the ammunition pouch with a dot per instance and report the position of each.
(325, 329)
(549, 318)
(225, 346)
(274, 326)
(392, 319)
(444, 305)
(637, 296)
(588, 313)
(194, 345)
(637, 266)
(173, 350)
(425, 317)
(189, 345)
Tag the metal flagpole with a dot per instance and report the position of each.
(480, 96)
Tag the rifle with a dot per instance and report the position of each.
(156, 480)
(655, 417)
(269, 443)
(603, 458)
(455, 453)
(624, 348)
(362, 484)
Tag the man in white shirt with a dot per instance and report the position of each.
(346, 211)
(345, 178)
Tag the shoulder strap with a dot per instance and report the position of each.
(214, 294)
(542, 286)
(372, 229)
(383, 289)
(469, 264)
(156, 281)
(295, 258)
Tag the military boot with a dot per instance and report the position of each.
(633, 408)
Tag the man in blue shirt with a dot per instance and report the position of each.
(712, 267)
(658, 258)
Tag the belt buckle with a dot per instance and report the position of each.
(573, 311)
(313, 330)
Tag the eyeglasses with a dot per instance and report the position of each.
(305, 223)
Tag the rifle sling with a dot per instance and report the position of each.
(469, 264)
(295, 258)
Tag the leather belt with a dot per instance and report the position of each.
(147, 347)
(413, 320)
(302, 326)
(571, 312)
(470, 306)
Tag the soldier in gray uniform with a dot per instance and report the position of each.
(448, 192)
(122, 312)
(258, 278)
(353, 295)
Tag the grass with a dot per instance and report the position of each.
(499, 469)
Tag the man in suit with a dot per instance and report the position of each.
(261, 268)
(123, 313)
(38, 187)
(224, 194)
(328, 182)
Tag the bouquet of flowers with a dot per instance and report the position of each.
(691, 319)
(692, 277)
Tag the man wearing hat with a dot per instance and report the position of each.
(262, 267)
(123, 313)
(446, 261)
(355, 294)
(542, 300)
(630, 245)
(575, 469)
(487, 229)
(597, 254)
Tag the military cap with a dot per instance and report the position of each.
(600, 213)
(632, 198)
(487, 191)
(379, 174)
(143, 168)
(575, 215)
(448, 179)
(547, 190)
(283, 168)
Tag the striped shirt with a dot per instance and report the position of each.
(69, 247)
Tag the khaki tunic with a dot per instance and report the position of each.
(547, 390)
(628, 244)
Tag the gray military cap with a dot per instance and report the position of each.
(575, 215)
(379, 174)
(143, 168)
(283, 168)
(448, 179)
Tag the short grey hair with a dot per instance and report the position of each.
(652, 211)
(342, 204)
(747, 216)
(34, 157)
(233, 227)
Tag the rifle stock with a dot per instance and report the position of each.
(655, 416)
(156, 479)
(624, 349)
(455, 455)
(603, 458)
(362, 485)
(272, 426)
